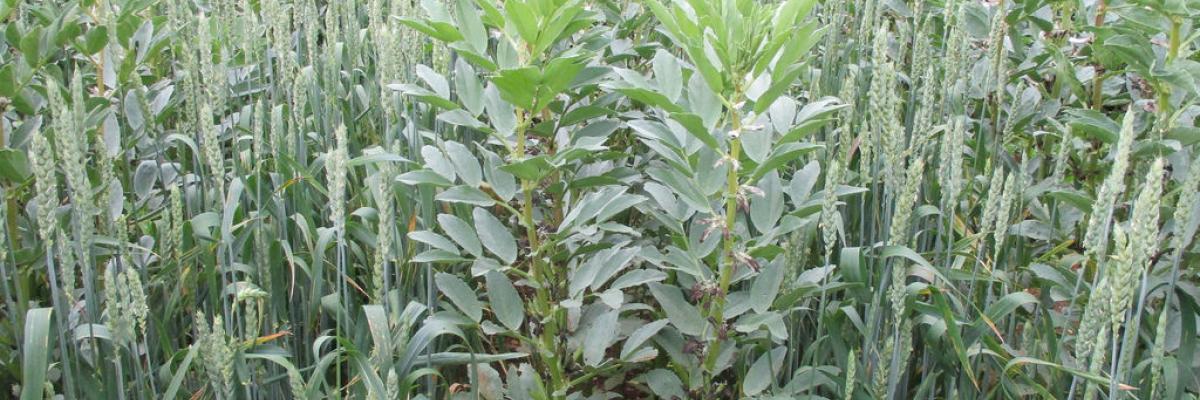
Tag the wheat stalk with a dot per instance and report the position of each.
(1094, 239)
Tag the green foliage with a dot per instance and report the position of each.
(568, 199)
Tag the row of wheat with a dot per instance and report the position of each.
(591, 199)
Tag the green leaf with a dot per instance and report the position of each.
(780, 156)
(765, 210)
(523, 18)
(491, 15)
(31, 46)
(592, 205)
(499, 112)
(232, 203)
(459, 358)
(501, 181)
(8, 80)
(668, 75)
(180, 373)
(465, 164)
(431, 328)
(1136, 52)
(366, 373)
(423, 177)
(684, 187)
(35, 354)
(434, 240)
(144, 178)
(557, 77)
(683, 315)
(756, 144)
(657, 131)
(953, 332)
(463, 118)
(709, 68)
(803, 181)
(437, 160)
(649, 97)
(442, 31)
(1092, 124)
(762, 373)
(790, 13)
(461, 232)
(95, 40)
(598, 336)
(437, 82)
(1007, 304)
(133, 110)
(780, 82)
(376, 157)
(766, 287)
(423, 95)
(905, 252)
(560, 23)
(495, 235)
(638, 277)
(813, 116)
(526, 384)
(466, 195)
(1186, 135)
(803, 39)
(14, 165)
(598, 269)
(1020, 361)
(518, 85)
(664, 383)
(641, 335)
(617, 260)
(580, 114)
(1075, 198)
(506, 303)
(439, 256)
(377, 324)
(1181, 74)
(531, 169)
(695, 125)
(477, 59)
(468, 87)
(773, 321)
(471, 25)
(460, 294)
(489, 384)
(703, 101)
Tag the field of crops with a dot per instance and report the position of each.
(598, 199)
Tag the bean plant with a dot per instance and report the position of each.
(589, 199)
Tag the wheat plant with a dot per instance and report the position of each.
(589, 199)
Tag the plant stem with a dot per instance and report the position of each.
(60, 315)
(10, 219)
(727, 266)
(1175, 37)
(1098, 86)
(1164, 91)
(730, 218)
(542, 307)
(527, 193)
